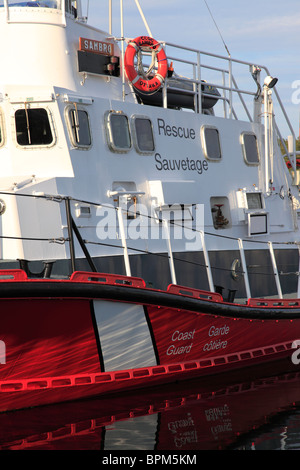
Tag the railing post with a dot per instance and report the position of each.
(224, 94)
(171, 261)
(70, 233)
(196, 90)
(244, 266)
(272, 254)
(207, 262)
(122, 50)
(165, 95)
(123, 239)
(199, 84)
(230, 88)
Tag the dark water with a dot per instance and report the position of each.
(208, 414)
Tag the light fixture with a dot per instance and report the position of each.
(270, 82)
(2, 207)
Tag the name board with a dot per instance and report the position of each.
(97, 47)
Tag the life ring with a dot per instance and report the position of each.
(139, 81)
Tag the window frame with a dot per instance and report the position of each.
(260, 201)
(109, 132)
(242, 141)
(134, 119)
(75, 107)
(32, 106)
(204, 143)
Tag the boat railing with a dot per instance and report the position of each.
(201, 241)
(224, 74)
(203, 244)
(225, 70)
(228, 84)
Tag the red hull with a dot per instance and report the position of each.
(55, 350)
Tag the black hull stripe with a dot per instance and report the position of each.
(61, 289)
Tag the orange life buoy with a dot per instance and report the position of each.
(141, 82)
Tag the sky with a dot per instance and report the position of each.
(256, 31)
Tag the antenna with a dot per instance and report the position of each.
(217, 28)
(110, 17)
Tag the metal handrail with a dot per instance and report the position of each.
(202, 238)
(197, 63)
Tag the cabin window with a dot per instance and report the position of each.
(250, 148)
(80, 128)
(118, 132)
(211, 142)
(33, 127)
(42, 3)
(144, 134)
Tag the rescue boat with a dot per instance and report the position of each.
(128, 260)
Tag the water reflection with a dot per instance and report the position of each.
(200, 415)
(282, 433)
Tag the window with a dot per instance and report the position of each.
(80, 128)
(211, 143)
(33, 127)
(137, 347)
(144, 135)
(40, 3)
(250, 149)
(118, 133)
(254, 201)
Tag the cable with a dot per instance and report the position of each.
(61, 240)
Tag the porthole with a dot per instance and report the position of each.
(211, 143)
(143, 134)
(117, 131)
(79, 127)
